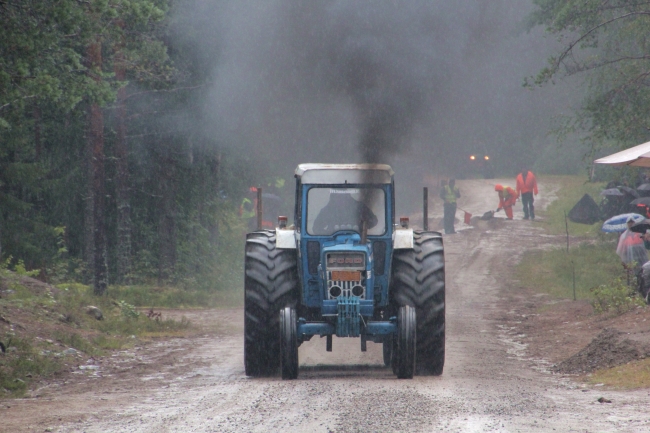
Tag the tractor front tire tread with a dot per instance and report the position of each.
(288, 343)
(406, 342)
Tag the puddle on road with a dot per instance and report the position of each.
(516, 348)
(475, 423)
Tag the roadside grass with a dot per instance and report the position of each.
(591, 257)
(22, 363)
(42, 324)
(552, 271)
(121, 318)
(599, 275)
(635, 374)
(177, 297)
(39, 324)
(572, 190)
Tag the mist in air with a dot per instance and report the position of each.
(418, 84)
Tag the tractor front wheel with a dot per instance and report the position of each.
(406, 340)
(288, 343)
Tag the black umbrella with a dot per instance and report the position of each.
(628, 190)
(644, 190)
(641, 201)
(641, 227)
(611, 191)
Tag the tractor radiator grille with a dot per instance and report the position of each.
(346, 288)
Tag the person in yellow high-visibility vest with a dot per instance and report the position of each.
(449, 193)
(248, 209)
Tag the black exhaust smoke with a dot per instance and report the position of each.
(374, 57)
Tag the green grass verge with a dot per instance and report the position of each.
(571, 190)
(552, 271)
(23, 362)
(50, 321)
(592, 260)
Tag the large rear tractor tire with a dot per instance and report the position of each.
(270, 285)
(406, 342)
(289, 343)
(418, 280)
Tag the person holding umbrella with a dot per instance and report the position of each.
(642, 228)
(631, 248)
(642, 205)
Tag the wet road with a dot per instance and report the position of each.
(488, 385)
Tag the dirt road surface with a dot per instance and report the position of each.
(489, 384)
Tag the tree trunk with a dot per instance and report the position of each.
(167, 220)
(214, 226)
(89, 222)
(122, 178)
(96, 144)
(38, 145)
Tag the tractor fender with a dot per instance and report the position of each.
(285, 239)
(403, 239)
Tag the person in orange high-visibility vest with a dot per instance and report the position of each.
(507, 198)
(526, 186)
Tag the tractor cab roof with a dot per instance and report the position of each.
(329, 174)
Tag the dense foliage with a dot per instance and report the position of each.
(607, 43)
(101, 176)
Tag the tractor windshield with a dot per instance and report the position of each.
(330, 210)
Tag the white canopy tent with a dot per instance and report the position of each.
(637, 156)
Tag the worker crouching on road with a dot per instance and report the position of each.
(449, 193)
(507, 199)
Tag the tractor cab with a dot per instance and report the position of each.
(345, 230)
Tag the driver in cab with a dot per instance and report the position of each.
(343, 212)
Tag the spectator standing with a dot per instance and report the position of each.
(631, 248)
(449, 193)
(526, 187)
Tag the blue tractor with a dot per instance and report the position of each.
(346, 269)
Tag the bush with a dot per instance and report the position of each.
(616, 297)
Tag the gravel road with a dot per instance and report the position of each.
(488, 385)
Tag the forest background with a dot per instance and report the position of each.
(105, 177)
(102, 178)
